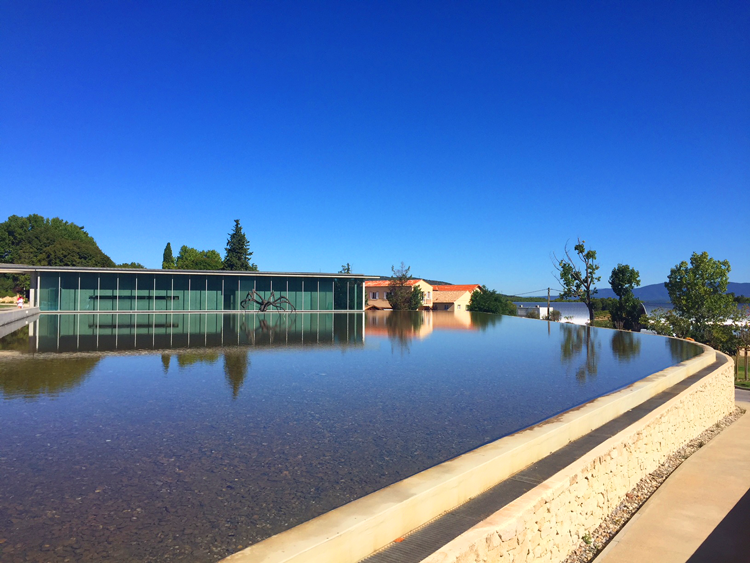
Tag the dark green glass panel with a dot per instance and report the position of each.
(295, 293)
(246, 286)
(145, 296)
(231, 293)
(107, 293)
(89, 292)
(326, 294)
(48, 292)
(126, 293)
(180, 294)
(197, 293)
(312, 301)
(68, 292)
(214, 300)
(263, 287)
(163, 296)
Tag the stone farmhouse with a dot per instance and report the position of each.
(436, 297)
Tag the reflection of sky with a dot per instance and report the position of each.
(292, 432)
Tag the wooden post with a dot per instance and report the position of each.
(549, 315)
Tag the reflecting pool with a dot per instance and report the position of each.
(188, 437)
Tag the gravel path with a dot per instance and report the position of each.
(599, 538)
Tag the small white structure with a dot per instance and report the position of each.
(534, 311)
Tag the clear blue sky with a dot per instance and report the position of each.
(468, 139)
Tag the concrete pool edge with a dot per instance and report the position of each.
(356, 530)
(550, 521)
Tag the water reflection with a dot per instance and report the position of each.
(625, 346)
(129, 332)
(158, 421)
(580, 349)
(236, 364)
(28, 380)
(403, 326)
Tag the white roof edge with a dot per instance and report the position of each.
(25, 269)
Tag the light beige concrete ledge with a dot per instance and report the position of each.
(355, 530)
(550, 521)
(13, 319)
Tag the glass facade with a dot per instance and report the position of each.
(147, 291)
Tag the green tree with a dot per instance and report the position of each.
(346, 269)
(578, 281)
(38, 241)
(701, 304)
(416, 298)
(132, 265)
(238, 253)
(399, 290)
(627, 311)
(487, 300)
(167, 260)
(192, 259)
(66, 252)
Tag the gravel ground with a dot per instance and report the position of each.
(599, 538)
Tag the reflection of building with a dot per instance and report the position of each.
(128, 290)
(416, 324)
(452, 297)
(102, 332)
(436, 297)
(399, 324)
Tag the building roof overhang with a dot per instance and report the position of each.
(26, 269)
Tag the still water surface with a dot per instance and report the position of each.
(187, 437)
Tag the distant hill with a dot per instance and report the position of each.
(657, 293)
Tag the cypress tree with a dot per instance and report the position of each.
(167, 261)
(238, 251)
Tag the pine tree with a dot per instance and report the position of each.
(167, 261)
(238, 251)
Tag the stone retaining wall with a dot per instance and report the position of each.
(548, 522)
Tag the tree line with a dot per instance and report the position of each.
(237, 255)
(41, 241)
(703, 310)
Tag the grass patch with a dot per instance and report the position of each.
(741, 377)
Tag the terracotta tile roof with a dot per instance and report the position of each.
(470, 287)
(447, 296)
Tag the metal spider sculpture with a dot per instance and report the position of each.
(255, 297)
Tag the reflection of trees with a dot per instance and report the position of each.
(576, 341)
(236, 363)
(682, 350)
(17, 341)
(402, 326)
(28, 379)
(165, 358)
(485, 320)
(625, 345)
(185, 359)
